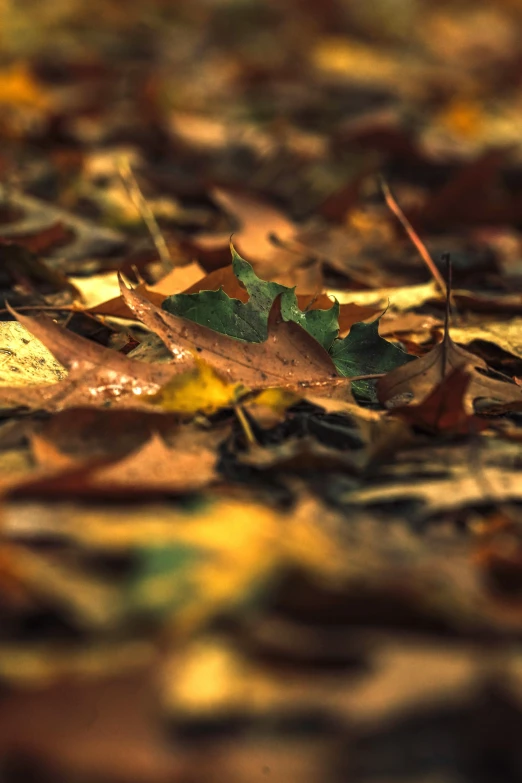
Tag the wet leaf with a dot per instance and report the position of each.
(444, 409)
(288, 356)
(96, 375)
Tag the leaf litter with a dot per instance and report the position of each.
(260, 516)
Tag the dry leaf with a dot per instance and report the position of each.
(262, 237)
(399, 299)
(416, 380)
(443, 410)
(506, 334)
(288, 356)
(97, 376)
(187, 464)
(174, 282)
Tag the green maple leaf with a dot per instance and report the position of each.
(364, 352)
(248, 321)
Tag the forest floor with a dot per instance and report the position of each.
(260, 391)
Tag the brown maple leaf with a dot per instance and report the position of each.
(416, 380)
(444, 409)
(288, 356)
(265, 236)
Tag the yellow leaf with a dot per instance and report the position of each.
(278, 400)
(463, 117)
(200, 390)
(19, 88)
(402, 299)
(97, 288)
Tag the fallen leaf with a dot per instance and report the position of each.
(93, 433)
(225, 279)
(483, 303)
(398, 299)
(47, 456)
(97, 376)
(418, 379)
(407, 323)
(262, 236)
(96, 289)
(444, 410)
(88, 239)
(248, 320)
(506, 334)
(45, 239)
(99, 727)
(464, 487)
(365, 352)
(464, 198)
(198, 390)
(289, 355)
(174, 282)
(187, 464)
(26, 278)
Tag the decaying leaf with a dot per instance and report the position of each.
(262, 236)
(416, 380)
(186, 464)
(398, 299)
(505, 334)
(265, 573)
(174, 282)
(36, 216)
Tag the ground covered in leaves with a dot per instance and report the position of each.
(260, 391)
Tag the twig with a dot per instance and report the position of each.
(447, 313)
(245, 425)
(423, 252)
(139, 201)
(61, 308)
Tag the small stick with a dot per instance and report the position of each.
(139, 201)
(399, 214)
(245, 425)
(447, 313)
